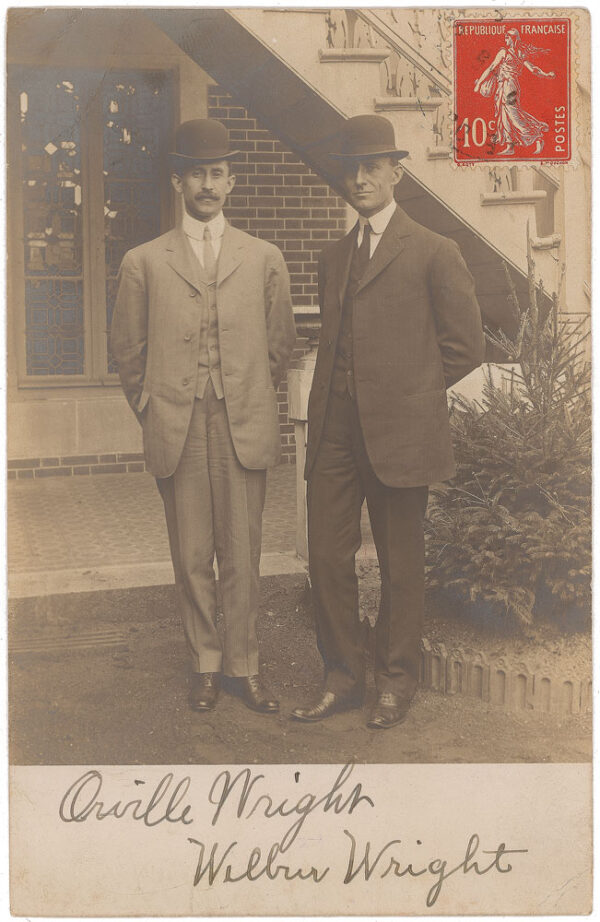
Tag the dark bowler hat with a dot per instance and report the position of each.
(201, 140)
(367, 136)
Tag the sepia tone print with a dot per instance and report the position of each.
(299, 426)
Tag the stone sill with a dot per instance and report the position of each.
(546, 243)
(407, 103)
(513, 198)
(353, 55)
(439, 153)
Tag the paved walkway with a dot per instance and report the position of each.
(76, 534)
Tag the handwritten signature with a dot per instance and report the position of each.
(82, 801)
(222, 864)
(238, 796)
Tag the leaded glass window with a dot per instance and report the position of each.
(134, 115)
(51, 145)
(92, 175)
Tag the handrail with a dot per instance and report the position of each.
(404, 49)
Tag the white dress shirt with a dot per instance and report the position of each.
(194, 231)
(378, 223)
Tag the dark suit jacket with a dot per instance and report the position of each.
(155, 339)
(416, 331)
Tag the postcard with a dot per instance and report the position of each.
(299, 461)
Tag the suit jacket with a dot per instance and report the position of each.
(416, 331)
(155, 341)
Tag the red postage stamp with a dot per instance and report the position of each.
(512, 82)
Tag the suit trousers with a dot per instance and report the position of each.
(214, 505)
(341, 478)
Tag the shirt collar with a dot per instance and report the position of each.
(379, 221)
(194, 228)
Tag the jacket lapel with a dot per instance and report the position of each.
(182, 259)
(232, 253)
(390, 246)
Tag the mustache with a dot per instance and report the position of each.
(203, 195)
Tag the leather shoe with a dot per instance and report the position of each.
(253, 693)
(329, 704)
(389, 710)
(204, 690)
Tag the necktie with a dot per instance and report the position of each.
(210, 263)
(364, 251)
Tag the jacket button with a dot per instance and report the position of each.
(185, 382)
(187, 338)
(193, 294)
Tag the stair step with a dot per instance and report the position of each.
(354, 55)
(407, 103)
(513, 198)
(439, 153)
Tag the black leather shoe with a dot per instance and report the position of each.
(388, 711)
(253, 693)
(204, 690)
(329, 704)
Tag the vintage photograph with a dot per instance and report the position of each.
(299, 413)
(299, 461)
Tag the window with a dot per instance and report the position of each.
(92, 167)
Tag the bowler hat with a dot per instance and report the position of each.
(201, 140)
(367, 136)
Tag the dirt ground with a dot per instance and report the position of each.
(129, 706)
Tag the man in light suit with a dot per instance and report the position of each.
(400, 324)
(202, 333)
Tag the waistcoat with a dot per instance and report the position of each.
(209, 357)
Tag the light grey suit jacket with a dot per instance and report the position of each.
(155, 341)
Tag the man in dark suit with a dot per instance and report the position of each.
(202, 333)
(400, 324)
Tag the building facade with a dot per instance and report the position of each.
(93, 100)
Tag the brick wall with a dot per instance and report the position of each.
(115, 463)
(280, 199)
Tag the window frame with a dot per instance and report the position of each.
(95, 331)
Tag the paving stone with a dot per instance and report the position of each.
(61, 523)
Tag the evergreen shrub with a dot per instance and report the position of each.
(511, 534)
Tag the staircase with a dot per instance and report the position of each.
(301, 72)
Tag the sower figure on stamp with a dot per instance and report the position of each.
(400, 324)
(202, 333)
